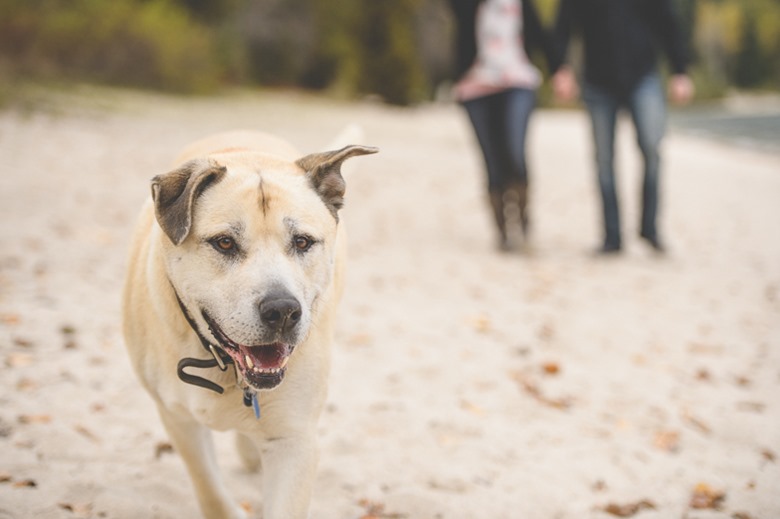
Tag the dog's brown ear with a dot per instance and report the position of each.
(324, 173)
(174, 194)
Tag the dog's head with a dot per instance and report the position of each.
(250, 249)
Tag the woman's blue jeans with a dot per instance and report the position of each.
(647, 106)
(500, 122)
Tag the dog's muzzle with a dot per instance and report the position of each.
(261, 366)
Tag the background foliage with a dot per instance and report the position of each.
(396, 49)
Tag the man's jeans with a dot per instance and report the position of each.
(647, 106)
(501, 122)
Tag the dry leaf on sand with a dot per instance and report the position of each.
(533, 390)
(668, 441)
(706, 497)
(629, 509)
(77, 509)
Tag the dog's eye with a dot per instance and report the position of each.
(224, 244)
(302, 243)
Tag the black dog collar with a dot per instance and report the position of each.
(219, 359)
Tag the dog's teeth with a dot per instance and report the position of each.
(284, 362)
(249, 362)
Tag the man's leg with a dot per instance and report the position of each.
(603, 109)
(648, 110)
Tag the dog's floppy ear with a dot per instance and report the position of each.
(324, 173)
(175, 192)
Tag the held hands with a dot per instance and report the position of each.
(564, 85)
(681, 89)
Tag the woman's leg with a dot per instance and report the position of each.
(519, 105)
(485, 114)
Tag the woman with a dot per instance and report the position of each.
(496, 83)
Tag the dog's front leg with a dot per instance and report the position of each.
(289, 468)
(194, 443)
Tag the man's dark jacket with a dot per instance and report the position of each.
(621, 39)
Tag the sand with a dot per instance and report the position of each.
(465, 383)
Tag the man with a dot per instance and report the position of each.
(621, 40)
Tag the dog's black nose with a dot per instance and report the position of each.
(280, 313)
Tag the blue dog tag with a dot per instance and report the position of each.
(256, 405)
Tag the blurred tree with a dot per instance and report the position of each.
(211, 11)
(399, 50)
(335, 61)
(750, 66)
(152, 43)
(389, 63)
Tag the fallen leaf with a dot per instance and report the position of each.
(97, 360)
(34, 419)
(772, 292)
(10, 319)
(768, 456)
(86, 433)
(704, 348)
(5, 429)
(67, 329)
(5, 477)
(628, 510)
(77, 509)
(26, 384)
(471, 408)
(481, 323)
(668, 441)
(533, 390)
(452, 485)
(546, 332)
(375, 510)
(19, 360)
(246, 506)
(753, 407)
(706, 497)
(25, 483)
(69, 334)
(695, 422)
(703, 375)
(162, 448)
(741, 515)
(23, 343)
(551, 368)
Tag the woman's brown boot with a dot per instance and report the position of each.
(497, 203)
(518, 195)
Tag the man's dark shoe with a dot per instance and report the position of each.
(608, 249)
(655, 243)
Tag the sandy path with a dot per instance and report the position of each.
(465, 384)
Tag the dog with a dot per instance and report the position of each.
(235, 272)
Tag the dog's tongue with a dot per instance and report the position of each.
(270, 357)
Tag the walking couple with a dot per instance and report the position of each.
(496, 83)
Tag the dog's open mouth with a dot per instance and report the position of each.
(262, 366)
